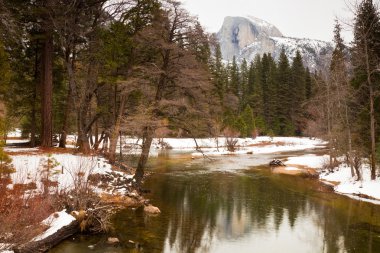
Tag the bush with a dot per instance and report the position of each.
(6, 166)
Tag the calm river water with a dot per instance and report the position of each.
(235, 204)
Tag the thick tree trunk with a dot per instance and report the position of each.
(47, 92)
(147, 142)
(113, 143)
(83, 142)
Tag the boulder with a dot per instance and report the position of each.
(276, 163)
(113, 240)
(149, 209)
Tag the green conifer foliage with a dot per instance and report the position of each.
(285, 95)
(6, 166)
(298, 90)
(247, 116)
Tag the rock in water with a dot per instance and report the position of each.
(149, 209)
(113, 240)
(276, 163)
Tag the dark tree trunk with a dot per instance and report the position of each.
(147, 142)
(99, 140)
(47, 92)
(83, 142)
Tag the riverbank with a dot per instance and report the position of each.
(61, 193)
(66, 172)
(341, 179)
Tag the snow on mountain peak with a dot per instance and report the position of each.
(259, 22)
(245, 37)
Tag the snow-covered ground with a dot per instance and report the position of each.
(353, 188)
(67, 170)
(341, 178)
(259, 145)
(15, 133)
(311, 161)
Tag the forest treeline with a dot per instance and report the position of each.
(146, 68)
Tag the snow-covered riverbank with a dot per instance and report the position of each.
(365, 190)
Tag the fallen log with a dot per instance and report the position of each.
(50, 241)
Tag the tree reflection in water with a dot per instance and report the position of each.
(222, 212)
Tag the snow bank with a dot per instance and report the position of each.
(4, 248)
(353, 188)
(70, 171)
(262, 145)
(55, 221)
(15, 133)
(311, 161)
(292, 168)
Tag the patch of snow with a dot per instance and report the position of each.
(70, 171)
(311, 161)
(55, 221)
(5, 248)
(263, 145)
(260, 22)
(15, 133)
(351, 187)
(13, 149)
(291, 168)
(17, 141)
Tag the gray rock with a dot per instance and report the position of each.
(245, 37)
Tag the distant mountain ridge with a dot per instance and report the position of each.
(245, 37)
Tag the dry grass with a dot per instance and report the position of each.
(267, 143)
(21, 214)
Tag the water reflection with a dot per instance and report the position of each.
(249, 211)
(222, 212)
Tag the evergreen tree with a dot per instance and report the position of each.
(298, 91)
(243, 90)
(308, 84)
(285, 96)
(234, 78)
(366, 59)
(247, 116)
(219, 74)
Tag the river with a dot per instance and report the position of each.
(235, 204)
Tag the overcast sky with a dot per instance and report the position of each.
(294, 18)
